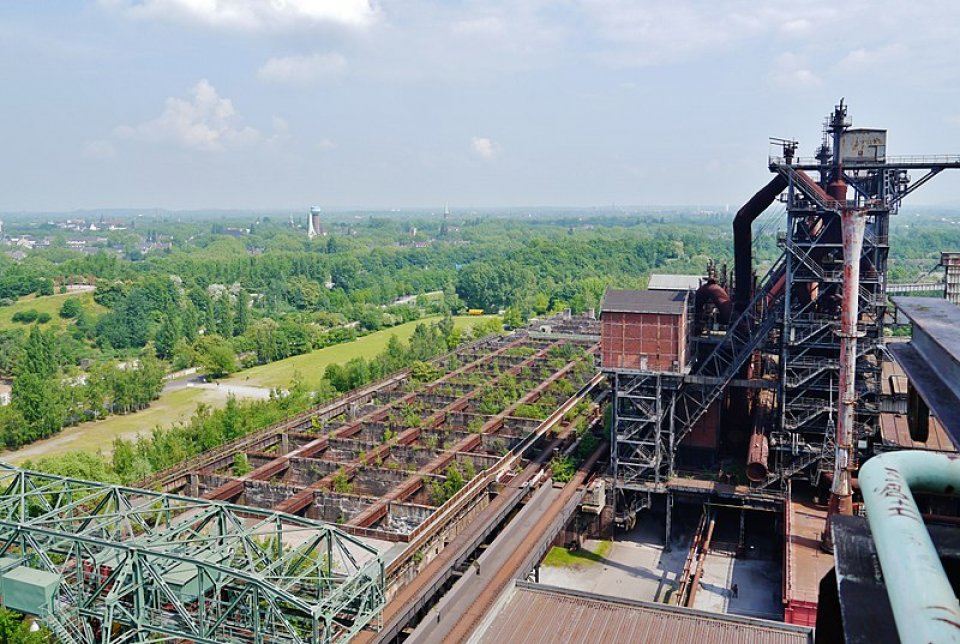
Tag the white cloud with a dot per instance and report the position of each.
(100, 150)
(204, 122)
(792, 72)
(252, 15)
(484, 147)
(302, 70)
(863, 58)
(326, 144)
(485, 26)
(652, 32)
(796, 27)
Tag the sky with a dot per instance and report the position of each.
(284, 104)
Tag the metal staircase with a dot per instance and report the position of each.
(744, 335)
(65, 623)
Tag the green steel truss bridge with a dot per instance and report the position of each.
(110, 564)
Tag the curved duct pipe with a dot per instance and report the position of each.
(713, 292)
(923, 602)
(743, 238)
(780, 280)
(758, 449)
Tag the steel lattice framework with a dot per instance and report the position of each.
(793, 317)
(136, 565)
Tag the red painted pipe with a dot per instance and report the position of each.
(713, 292)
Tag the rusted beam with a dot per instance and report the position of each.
(301, 500)
(267, 470)
(373, 514)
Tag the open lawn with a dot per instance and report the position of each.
(563, 558)
(46, 304)
(310, 366)
(179, 403)
(98, 435)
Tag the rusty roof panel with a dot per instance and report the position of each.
(628, 301)
(895, 432)
(537, 614)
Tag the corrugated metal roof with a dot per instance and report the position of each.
(669, 282)
(895, 432)
(894, 380)
(532, 613)
(627, 301)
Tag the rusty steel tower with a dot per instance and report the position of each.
(794, 354)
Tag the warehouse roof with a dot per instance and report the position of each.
(668, 282)
(671, 302)
(536, 613)
(895, 432)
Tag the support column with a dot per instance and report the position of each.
(841, 493)
(666, 535)
(742, 542)
(194, 484)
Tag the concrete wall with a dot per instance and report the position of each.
(497, 445)
(377, 482)
(305, 471)
(337, 508)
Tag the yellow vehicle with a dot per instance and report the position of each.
(474, 311)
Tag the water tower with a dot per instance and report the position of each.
(314, 228)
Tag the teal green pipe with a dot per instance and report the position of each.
(924, 605)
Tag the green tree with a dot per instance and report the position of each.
(38, 400)
(70, 308)
(78, 465)
(231, 420)
(241, 464)
(241, 316)
(11, 350)
(15, 630)
(183, 354)
(216, 356)
(167, 335)
(224, 316)
(38, 354)
(264, 335)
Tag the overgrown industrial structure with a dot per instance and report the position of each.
(420, 506)
(781, 377)
(104, 563)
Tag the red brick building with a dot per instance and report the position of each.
(644, 330)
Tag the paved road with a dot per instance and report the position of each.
(200, 382)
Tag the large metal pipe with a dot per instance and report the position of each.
(743, 238)
(924, 605)
(758, 449)
(713, 292)
(852, 222)
(841, 493)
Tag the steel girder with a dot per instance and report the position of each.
(136, 565)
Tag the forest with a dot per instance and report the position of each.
(159, 294)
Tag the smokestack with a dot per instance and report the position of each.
(852, 223)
